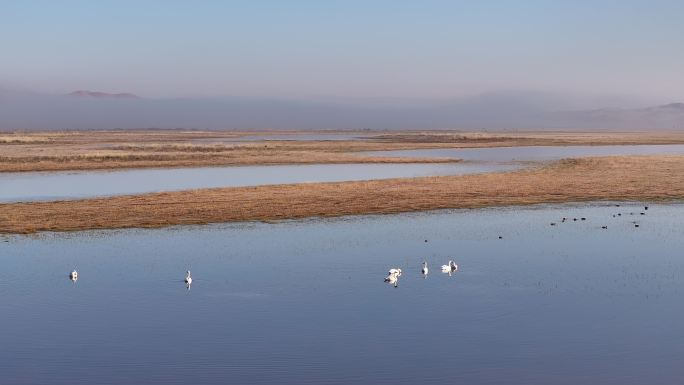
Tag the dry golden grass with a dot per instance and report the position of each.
(89, 150)
(134, 149)
(152, 160)
(588, 179)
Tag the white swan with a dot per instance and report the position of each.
(188, 278)
(425, 269)
(450, 268)
(392, 280)
(73, 275)
(393, 277)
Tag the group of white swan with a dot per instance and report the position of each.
(392, 276)
(394, 273)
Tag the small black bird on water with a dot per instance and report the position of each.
(604, 227)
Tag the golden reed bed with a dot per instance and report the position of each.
(91, 150)
(646, 178)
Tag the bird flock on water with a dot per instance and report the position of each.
(394, 273)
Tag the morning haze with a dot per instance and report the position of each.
(353, 64)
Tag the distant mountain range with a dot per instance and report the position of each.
(518, 111)
(667, 116)
(101, 95)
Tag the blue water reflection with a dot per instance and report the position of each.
(34, 186)
(304, 302)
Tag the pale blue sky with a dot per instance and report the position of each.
(348, 49)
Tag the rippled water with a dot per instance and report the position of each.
(304, 302)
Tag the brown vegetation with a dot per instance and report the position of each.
(587, 179)
(89, 150)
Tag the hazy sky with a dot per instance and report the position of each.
(346, 49)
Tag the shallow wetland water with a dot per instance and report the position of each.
(34, 186)
(303, 302)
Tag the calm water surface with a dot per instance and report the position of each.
(34, 186)
(304, 302)
(72, 185)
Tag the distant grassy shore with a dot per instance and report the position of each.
(647, 178)
(93, 150)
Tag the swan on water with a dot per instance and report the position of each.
(73, 275)
(450, 268)
(425, 269)
(396, 272)
(393, 277)
(188, 278)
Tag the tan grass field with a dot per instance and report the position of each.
(91, 150)
(647, 178)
